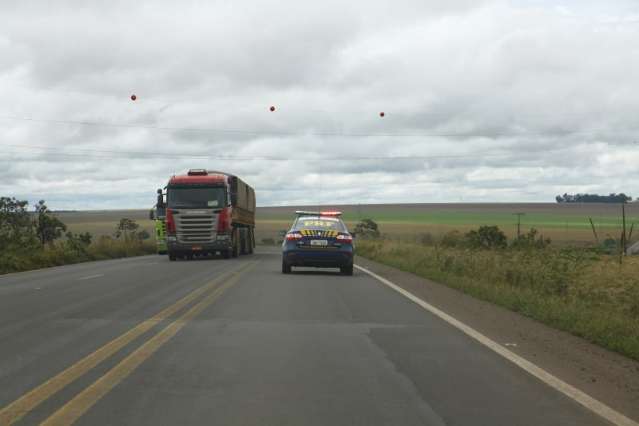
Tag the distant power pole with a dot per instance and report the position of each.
(519, 215)
(624, 241)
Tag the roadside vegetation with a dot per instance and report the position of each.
(38, 239)
(585, 291)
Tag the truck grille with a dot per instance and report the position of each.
(195, 228)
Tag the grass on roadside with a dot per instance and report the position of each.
(575, 290)
(62, 253)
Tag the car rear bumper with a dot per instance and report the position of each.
(319, 258)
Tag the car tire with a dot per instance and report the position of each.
(346, 270)
(286, 268)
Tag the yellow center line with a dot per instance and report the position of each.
(27, 402)
(74, 409)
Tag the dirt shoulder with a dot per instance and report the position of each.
(607, 376)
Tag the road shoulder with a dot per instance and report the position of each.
(609, 377)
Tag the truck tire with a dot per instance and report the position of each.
(251, 240)
(172, 257)
(243, 241)
(226, 254)
(235, 243)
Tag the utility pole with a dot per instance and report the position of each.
(519, 215)
(624, 241)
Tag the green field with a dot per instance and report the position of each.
(563, 223)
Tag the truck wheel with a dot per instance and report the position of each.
(226, 254)
(251, 240)
(172, 257)
(236, 243)
(243, 241)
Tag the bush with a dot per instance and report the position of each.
(486, 237)
(531, 241)
(367, 229)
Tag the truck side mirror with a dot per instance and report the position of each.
(283, 233)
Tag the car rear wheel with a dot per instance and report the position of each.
(346, 270)
(286, 268)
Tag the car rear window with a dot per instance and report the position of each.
(320, 223)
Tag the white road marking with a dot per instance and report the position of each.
(88, 277)
(570, 391)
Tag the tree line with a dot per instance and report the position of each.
(593, 198)
(37, 238)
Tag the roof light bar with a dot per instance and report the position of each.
(331, 213)
(306, 213)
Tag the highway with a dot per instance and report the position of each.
(145, 341)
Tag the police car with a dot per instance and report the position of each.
(318, 239)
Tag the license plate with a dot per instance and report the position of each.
(322, 243)
(196, 248)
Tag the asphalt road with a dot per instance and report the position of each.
(146, 341)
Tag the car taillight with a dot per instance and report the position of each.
(345, 239)
(293, 236)
(224, 220)
(170, 222)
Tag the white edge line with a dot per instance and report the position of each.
(88, 277)
(572, 392)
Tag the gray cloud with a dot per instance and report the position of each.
(484, 100)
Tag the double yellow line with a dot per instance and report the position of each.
(77, 406)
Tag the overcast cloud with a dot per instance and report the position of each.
(483, 100)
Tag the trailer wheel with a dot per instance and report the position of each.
(251, 240)
(243, 241)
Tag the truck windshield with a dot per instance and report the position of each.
(198, 197)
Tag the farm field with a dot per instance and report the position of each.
(563, 223)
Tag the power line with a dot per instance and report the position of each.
(112, 154)
(281, 132)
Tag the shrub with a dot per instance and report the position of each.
(486, 237)
(530, 240)
(367, 229)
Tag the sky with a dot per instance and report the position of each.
(483, 101)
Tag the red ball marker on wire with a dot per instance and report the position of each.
(272, 108)
(381, 114)
(133, 97)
